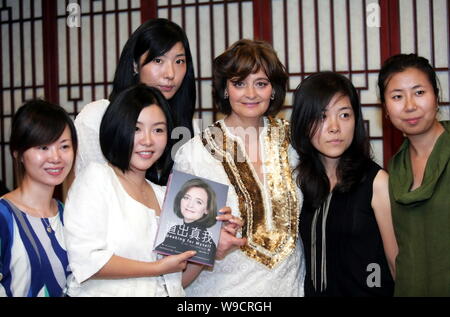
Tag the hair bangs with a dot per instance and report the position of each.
(40, 131)
(118, 127)
(246, 63)
(311, 98)
(158, 42)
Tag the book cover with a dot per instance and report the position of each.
(188, 217)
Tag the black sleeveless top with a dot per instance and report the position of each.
(354, 263)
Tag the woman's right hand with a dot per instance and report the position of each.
(175, 263)
(228, 241)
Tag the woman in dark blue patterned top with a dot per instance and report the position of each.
(33, 259)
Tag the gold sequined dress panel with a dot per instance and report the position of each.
(270, 214)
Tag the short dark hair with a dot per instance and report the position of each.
(207, 220)
(243, 58)
(38, 122)
(156, 37)
(399, 63)
(310, 100)
(118, 127)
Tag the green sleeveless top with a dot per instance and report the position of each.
(422, 221)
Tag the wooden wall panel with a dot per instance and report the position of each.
(43, 57)
(322, 35)
(88, 54)
(21, 67)
(425, 30)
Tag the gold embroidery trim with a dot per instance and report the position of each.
(269, 244)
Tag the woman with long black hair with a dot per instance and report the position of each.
(157, 54)
(345, 222)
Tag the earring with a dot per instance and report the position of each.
(272, 97)
(437, 108)
(135, 69)
(225, 94)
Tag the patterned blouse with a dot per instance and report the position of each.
(33, 259)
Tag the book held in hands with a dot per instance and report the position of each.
(188, 218)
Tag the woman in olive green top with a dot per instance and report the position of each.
(419, 182)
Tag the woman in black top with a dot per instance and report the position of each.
(345, 222)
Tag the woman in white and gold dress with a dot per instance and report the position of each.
(249, 151)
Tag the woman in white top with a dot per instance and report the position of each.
(158, 55)
(112, 211)
(249, 150)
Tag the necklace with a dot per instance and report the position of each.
(139, 190)
(46, 222)
(142, 193)
(23, 204)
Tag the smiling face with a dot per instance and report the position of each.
(49, 164)
(194, 204)
(150, 138)
(335, 131)
(411, 102)
(249, 98)
(165, 72)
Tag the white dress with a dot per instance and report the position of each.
(239, 274)
(102, 220)
(87, 124)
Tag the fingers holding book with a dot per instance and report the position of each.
(232, 224)
(228, 240)
(176, 263)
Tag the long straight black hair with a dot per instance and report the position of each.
(156, 37)
(310, 101)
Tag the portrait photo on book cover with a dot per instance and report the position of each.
(188, 218)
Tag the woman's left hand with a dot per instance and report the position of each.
(228, 241)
